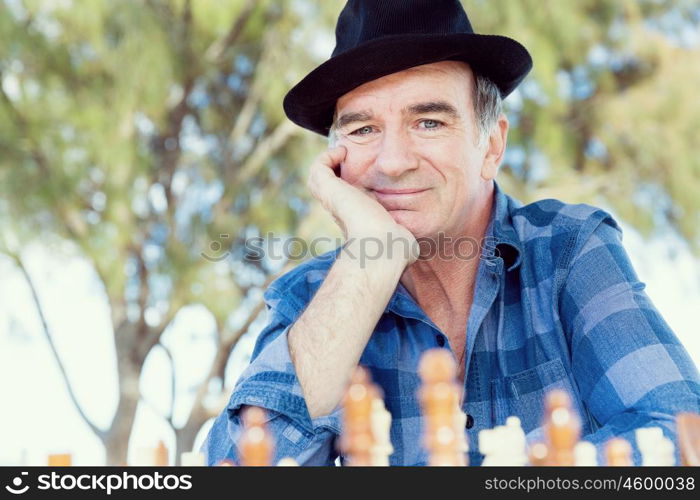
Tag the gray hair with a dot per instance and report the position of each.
(488, 107)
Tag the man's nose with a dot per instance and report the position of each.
(395, 154)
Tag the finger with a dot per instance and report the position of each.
(333, 156)
(326, 165)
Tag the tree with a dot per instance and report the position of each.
(148, 133)
(608, 115)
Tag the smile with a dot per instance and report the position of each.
(397, 194)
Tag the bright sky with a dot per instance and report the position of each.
(37, 417)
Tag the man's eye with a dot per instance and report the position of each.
(430, 124)
(362, 130)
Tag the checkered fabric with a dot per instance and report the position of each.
(557, 304)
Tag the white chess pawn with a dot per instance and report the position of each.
(585, 454)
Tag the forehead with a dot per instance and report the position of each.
(445, 80)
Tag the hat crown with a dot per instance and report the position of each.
(364, 20)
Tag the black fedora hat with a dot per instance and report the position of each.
(375, 38)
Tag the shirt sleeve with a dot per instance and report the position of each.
(630, 368)
(270, 382)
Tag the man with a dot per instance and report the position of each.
(546, 299)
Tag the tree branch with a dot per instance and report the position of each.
(245, 117)
(262, 153)
(216, 50)
(265, 149)
(167, 145)
(47, 334)
(152, 407)
(224, 351)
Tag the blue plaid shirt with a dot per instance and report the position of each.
(556, 305)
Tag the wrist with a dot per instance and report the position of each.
(395, 249)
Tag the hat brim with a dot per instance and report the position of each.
(311, 103)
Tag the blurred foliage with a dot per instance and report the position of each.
(151, 132)
(609, 113)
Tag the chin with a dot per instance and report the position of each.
(413, 221)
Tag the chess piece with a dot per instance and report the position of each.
(151, 457)
(538, 455)
(688, 427)
(618, 453)
(380, 422)
(562, 428)
(439, 397)
(504, 445)
(287, 462)
(60, 460)
(160, 455)
(357, 440)
(585, 454)
(460, 425)
(255, 445)
(656, 449)
(489, 445)
(516, 442)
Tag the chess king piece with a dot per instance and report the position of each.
(562, 428)
(439, 398)
(256, 446)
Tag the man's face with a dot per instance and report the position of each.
(411, 140)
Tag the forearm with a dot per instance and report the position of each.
(327, 340)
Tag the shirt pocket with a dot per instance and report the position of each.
(523, 394)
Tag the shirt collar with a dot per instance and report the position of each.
(506, 245)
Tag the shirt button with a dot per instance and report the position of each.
(470, 422)
(440, 340)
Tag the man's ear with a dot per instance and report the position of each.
(495, 148)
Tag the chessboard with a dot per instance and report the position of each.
(365, 438)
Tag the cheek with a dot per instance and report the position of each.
(354, 166)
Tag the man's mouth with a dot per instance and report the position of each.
(397, 198)
(399, 191)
